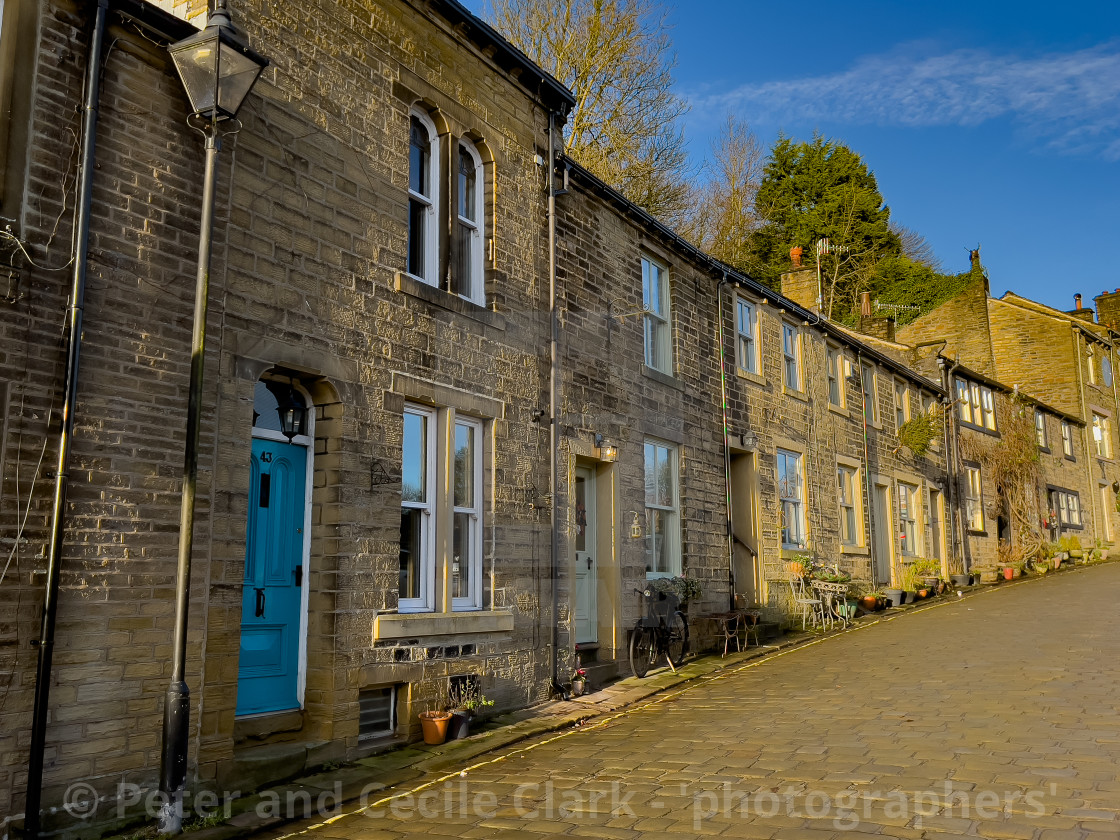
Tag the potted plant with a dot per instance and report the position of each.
(434, 725)
(911, 579)
(579, 682)
(1074, 547)
(464, 700)
(684, 588)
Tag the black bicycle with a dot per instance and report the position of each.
(661, 630)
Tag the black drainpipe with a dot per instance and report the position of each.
(726, 440)
(45, 642)
(554, 404)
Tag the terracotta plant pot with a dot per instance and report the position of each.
(869, 602)
(1008, 573)
(1056, 561)
(435, 725)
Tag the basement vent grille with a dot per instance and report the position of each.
(377, 711)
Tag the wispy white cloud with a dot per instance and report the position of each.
(1067, 101)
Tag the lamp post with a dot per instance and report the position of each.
(218, 69)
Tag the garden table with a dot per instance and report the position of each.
(833, 596)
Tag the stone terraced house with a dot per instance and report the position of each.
(517, 398)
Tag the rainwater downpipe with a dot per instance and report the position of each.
(867, 473)
(951, 433)
(553, 404)
(726, 440)
(1090, 449)
(45, 642)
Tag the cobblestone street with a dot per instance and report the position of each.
(995, 716)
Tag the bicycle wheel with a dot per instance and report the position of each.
(641, 650)
(677, 645)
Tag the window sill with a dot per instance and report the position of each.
(663, 378)
(793, 392)
(839, 409)
(415, 625)
(972, 532)
(409, 285)
(1070, 458)
(982, 429)
(756, 378)
(858, 550)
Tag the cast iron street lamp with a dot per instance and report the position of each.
(218, 69)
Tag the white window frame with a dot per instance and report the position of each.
(474, 513)
(973, 497)
(988, 403)
(1091, 367)
(791, 358)
(671, 548)
(1067, 439)
(964, 405)
(835, 368)
(901, 403)
(473, 286)
(791, 504)
(429, 252)
(869, 383)
(426, 566)
(657, 320)
(1102, 435)
(1106, 370)
(1067, 504)
(1040, 429)
(746, 335)
(848, 499)
(910, 518)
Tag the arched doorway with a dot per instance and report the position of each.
(272, 664)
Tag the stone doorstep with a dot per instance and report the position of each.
(416, 760)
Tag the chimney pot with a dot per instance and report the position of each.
(865, 304)
(1077, 300)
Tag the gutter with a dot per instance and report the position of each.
(45, 642)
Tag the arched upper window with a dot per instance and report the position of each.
(423, 198)
(468, 278)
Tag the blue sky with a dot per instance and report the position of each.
(986, 122)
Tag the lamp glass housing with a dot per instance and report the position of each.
(218, 68)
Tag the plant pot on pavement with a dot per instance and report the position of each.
(578, 687)
(961, 580)
(460, 724)
(895, 596)
(1008, 573)
(435, 726)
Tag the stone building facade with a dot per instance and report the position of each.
(1062, 360)
(382, 260)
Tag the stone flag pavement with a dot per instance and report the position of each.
(995, 716)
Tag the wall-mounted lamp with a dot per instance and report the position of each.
(747, 440)
(293, 414)
(605, 450)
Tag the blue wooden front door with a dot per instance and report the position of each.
(268, 671)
